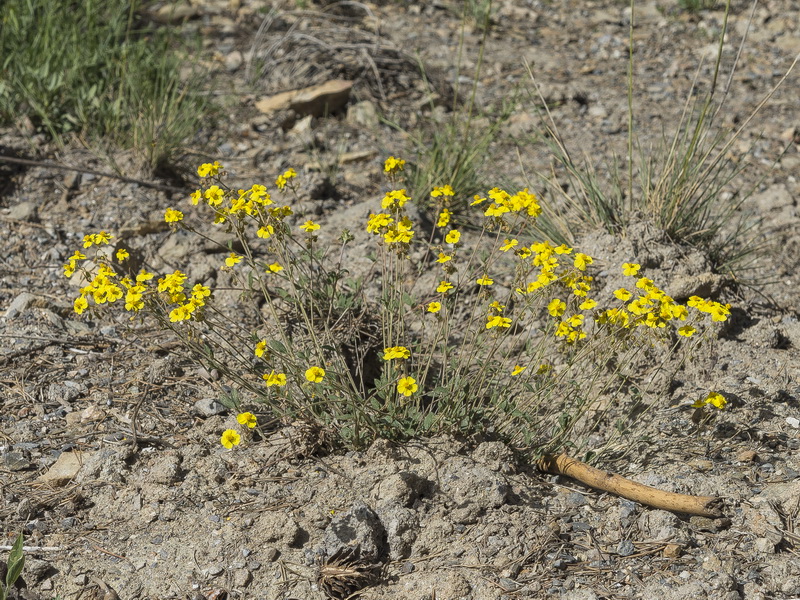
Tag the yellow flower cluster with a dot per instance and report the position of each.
(652, 307)
(503, 202)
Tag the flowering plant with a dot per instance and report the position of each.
(468, 330)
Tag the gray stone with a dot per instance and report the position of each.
(24, 211)
(364, 114)
(20, 304)
(208, 407)
(625, 548)
(16, 461)
(360, 526)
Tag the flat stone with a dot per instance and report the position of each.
(208, 407)
(318, 100)
(24, 211)
(64, 469)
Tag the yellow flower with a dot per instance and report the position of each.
(274, 378)
(562, 249)
(214, 195)
(172, 216)
(265, 232)
(485, 280)
(195, 197)
(443, 258)
(407, 386)
(80, 304)
(232, 259)
(282, 180)
(497, 321)
(393, 165)
(230, 438)
(208, 169)
(144, 276)
(630, 269)
(315, 374)
(717, 400)
(508, 245)
(476, 199)
(261, 348)
(623, 294)
(453, 236)
(200, 291)
(517, 370)
(588, 304)
(394, 198)
(444, 190)
(247, 418)
(122, 254)
(309, 226)
(556, 307)
(582, 261)
(274, 268)
(396, 352)
(444, 287)
(686, 331)
(444, 218)
(434, 307)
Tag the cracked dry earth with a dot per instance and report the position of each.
(108, 441)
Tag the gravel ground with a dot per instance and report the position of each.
(109, 454)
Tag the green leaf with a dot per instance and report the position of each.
(277, 346)
(16, 560)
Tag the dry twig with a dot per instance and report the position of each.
(705, 506)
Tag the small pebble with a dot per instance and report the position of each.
(626, 548)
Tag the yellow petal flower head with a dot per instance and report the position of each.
(556, 307)
(232, 259)
(485, 280)
(274, 268)
(230, 438)
(582, 261)
(497, 321)
(283, 179)
(172, 216)
(407, 386)
(623, 294)
(453, 236)
(444, 218)
(717, 400)
(393, 352)
(508, 245)
(265, 232)
(434, 307)
(393, 165)
(686, 331)
(517, 370)
(394, 199)
(309, 226)
(444, 190)
(315, 374)
(260, 349)
(273, 378)
(80, 304)
(630, 269)
(247, 418)
(209, 169)
(444, 287)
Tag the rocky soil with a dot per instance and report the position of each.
(109, 454)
